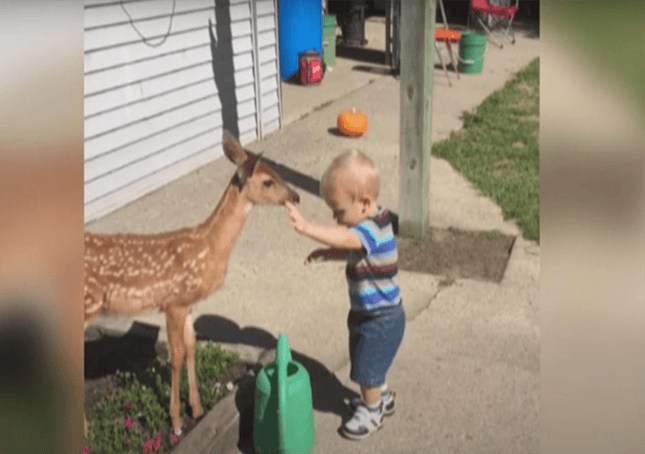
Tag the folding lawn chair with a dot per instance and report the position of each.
(484, 8)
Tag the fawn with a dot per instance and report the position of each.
(128, 274)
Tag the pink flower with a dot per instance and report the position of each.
(128, 442)
(86, 450)
(174, 439)
(158, 440)
(127, 405)
(129, 424)
(147, 446)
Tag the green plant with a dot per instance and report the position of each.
(135, 417)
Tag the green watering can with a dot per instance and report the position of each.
(284, 416)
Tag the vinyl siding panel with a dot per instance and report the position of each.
(268, 83)
(152, 110)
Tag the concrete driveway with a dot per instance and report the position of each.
(467, 375)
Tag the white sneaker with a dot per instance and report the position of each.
(387, 397)
(364, 422)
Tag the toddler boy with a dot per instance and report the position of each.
(376, 321)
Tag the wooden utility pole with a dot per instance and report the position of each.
(417, 70)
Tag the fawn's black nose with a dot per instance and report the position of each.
(295, 198)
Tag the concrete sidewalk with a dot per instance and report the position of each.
(467, 374)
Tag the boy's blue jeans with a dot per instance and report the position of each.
(374, 340)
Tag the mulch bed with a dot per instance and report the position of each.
(457, 254)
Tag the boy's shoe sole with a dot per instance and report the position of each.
(355, 436)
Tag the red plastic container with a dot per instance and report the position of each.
(311, 68)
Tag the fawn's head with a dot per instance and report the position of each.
(259, 182)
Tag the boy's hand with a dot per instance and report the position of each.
(316, 256)
(296, 219)
(320, 255)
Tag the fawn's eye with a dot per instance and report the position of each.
(268, 183)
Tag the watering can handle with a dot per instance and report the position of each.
(283, 358)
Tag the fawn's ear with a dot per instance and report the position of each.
(241, 175)
(233, 149)
(256, 164)
(251, 163)
(247, 169)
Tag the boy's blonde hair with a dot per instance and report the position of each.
(359, 173)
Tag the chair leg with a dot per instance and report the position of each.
(508, 30)
(490, 34)
(452, 60)
(436, 49)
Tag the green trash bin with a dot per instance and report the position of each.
(471, 52)
(329, 39)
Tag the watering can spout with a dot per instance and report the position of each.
(283, 421)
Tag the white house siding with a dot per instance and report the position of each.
(153, 112)
(266, 48)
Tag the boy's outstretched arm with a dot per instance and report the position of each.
(337, 237)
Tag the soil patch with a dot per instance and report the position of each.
(457, 254)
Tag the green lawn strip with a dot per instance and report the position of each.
(144, 396)
(497, 150)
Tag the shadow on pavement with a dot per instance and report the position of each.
(106, 353)
(361, 54)
(380, 70)
(335, 132)
(300, 180)
(529, 28)
(328, 392)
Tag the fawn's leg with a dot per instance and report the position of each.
(85, 429)
(175, 321)
(189, 345)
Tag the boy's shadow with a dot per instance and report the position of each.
(327, 391)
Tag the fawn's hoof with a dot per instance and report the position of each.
(177, 432)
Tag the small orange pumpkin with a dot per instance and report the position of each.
(352, 123)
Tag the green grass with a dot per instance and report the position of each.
(497, 150)
(145, 397)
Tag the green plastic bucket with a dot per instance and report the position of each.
(329, 39)
(471, 52)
